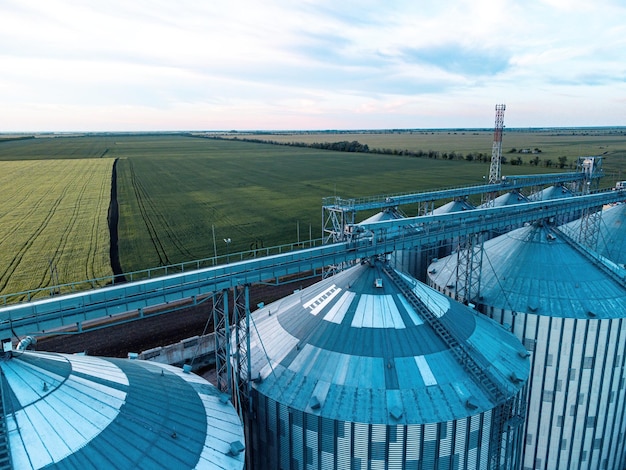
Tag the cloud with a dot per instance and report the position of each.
(313, 62)
(459, 59)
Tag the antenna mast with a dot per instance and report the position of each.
(496, 152)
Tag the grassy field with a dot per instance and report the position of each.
(175, 190)
(571, 143)
(53, 222)
(255, 194)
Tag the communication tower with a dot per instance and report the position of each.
(496, 151)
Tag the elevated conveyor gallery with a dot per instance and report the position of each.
(362, 241)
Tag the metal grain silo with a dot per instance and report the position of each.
(552, 192)
(456, 205)
(612, 236)
(412, 260)
(570, 313)
(80, 412)
(507, 199)
(370, 369)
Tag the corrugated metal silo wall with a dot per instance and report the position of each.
(577, 393)
(287, 439)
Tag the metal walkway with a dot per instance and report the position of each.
(509, 184)
(364, 240)
(337, 211)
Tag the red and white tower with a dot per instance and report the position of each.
(496, 152)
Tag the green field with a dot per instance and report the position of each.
(53, 222)
(554, 143)
(175, 190)
(171, 198)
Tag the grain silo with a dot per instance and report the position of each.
(507, 199)
(79, 412)
(612, 236)
(551, 192)
(372, 369)
(570, 313)
(456, 205)
(412, 260)
(442, 248)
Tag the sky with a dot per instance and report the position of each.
(112, 65)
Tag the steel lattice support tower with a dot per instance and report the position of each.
(591, 216)
(334, 220)
(469, 265)
(241, 320)
(496, 151)
(232, 344)
(221, 322)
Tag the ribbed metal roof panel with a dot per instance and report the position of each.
(359, 365)
(453, 206)
(551, 192)
(531, 270)
(71, 411)
(612, 237)
(509, 199)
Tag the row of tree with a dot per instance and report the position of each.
(356, 146)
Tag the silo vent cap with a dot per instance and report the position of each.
(396, 412)
(314, 403)
(236, 448)
(471, 403)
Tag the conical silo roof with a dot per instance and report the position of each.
(453, 206)
(387, 214)
(551, 192)
(353, 348)
(508, 199)
(73, 411)
(612, 237)
(534, 269)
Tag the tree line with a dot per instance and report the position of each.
(357, 147)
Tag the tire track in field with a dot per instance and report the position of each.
(65, 235)
(92, 250)
(25, 218)
(17, 259)
(165, 229)
(104, 195)
(140, 196)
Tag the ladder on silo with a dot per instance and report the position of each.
(503, 411)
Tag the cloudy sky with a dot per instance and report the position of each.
(106, 65)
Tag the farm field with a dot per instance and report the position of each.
(254, 194)
(553, 143)
(175, 190)
(53, 222)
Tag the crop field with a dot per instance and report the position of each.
(257, 195)
(174, 191)
(53, 222)
(555, 143)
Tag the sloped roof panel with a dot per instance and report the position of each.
(376, 353)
